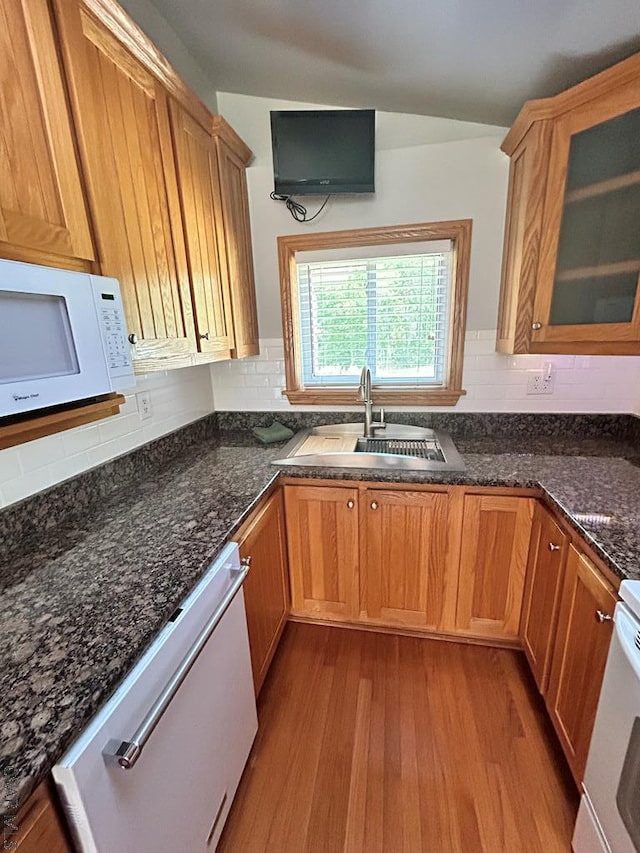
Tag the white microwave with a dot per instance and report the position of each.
(63, 337)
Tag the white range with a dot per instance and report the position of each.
(609, 814)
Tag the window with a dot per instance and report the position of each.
(391, 298)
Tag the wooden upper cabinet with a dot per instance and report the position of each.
(42, 205)
(493, 557)
(233, 156)
(545, 573)
(404, 553)
(266, 589)
(571, 265)
(580, 653)
(199, 189)
(121, 112)
(522, 236)
(322, 533)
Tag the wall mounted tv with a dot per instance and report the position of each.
(323, 152)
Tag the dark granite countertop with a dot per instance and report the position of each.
(84, 599)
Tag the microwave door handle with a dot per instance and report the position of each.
(126, 753)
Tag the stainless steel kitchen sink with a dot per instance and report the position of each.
(397, 447)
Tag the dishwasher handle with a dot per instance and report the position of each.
(126, 753)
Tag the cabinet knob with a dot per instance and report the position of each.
(603, 617)
(374, 505)
(536, 326)
(350, 504)
(133, 338)
(204, 337)
(553, 546)
(245, 561)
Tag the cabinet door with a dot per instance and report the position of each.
(579, 657)
(545, 569)
(404, 542)
(322, 532)
(42, 203)
(266, 594)
(523, 228)
(123, 117)
(495, 544)
(199, 188)
(237, 240)
(590, 255)
(39, 828)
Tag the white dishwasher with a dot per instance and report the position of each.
(609, 815)
(157, 768)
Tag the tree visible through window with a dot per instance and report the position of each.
(390, 313)
(393, 298)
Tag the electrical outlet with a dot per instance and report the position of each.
(540, 382)
(144, 405)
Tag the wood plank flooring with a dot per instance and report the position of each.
(386, 744)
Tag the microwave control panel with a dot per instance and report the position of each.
(113, 329)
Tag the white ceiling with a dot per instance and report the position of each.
(476, 60)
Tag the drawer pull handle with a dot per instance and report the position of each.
(553, 546)
(536, 326)
(350, 504)
(246, 561)
(205, 336)
(133, 338)
(603, 617)
(374, 505)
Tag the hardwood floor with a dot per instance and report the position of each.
(385, 744)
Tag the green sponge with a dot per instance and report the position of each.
(276, 432)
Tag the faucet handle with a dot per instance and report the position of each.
(376, 425)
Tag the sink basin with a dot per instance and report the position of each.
(398, 447)
(422, 448)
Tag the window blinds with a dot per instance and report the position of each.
(391, 313)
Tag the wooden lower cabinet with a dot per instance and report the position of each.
(438, 561)
(545, 573)
(322, 532)
(579, 657)
(266, 589)
(404, 577)
(493, 559)
(39, 829)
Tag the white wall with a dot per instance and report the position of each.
(177, 398)
(493, 382)
(165, 38)
(426, 169)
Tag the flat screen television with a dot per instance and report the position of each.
(323, 152)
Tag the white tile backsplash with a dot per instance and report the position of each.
(178, 397)
(493, 382)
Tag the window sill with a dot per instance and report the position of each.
(388, 397)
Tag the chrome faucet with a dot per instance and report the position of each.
(364, 396)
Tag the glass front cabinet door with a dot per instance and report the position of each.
(587, 287)
(571, 256)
